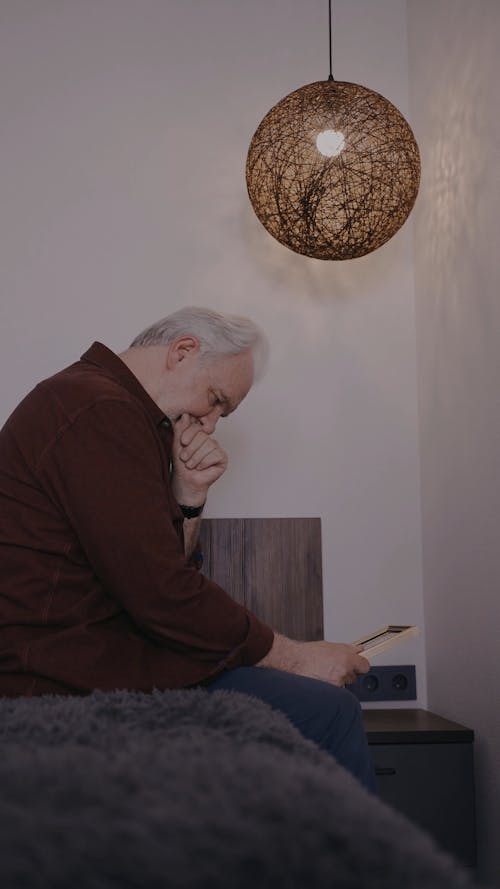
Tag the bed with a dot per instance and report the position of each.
(191, 790)
(196, 790)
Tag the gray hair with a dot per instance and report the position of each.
(217, 334)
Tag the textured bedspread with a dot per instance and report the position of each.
(189, 790)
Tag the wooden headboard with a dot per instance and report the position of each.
(272, 566)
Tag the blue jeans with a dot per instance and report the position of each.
(322, 712)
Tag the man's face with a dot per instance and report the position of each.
(208, 389)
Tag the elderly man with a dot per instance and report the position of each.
(104, 472)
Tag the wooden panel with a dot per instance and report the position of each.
(272, 566)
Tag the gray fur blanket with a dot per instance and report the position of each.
(190, 790)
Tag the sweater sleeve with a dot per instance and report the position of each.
(107, 473)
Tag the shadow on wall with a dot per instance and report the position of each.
(321, 280)
(460, 167)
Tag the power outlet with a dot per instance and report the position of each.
(386, 684)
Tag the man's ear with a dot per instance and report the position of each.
(182, 348)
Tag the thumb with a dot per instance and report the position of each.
(181, 424)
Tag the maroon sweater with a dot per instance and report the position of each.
(95, 590)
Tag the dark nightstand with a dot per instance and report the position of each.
(424, 767)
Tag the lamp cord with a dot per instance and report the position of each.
(330, 76)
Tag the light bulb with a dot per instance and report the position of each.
(330, 143)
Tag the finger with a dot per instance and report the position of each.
(335, 681)
(364, 665)
(197, 439)
(190, 432)
(180, 425)
(338, 675)
(207, 449)
(199, 447)
(216, 457)
(209, 475)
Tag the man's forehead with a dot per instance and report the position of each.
(234, 375)
(233, 367)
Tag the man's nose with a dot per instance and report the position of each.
(209, 421)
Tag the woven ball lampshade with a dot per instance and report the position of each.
(333, 170)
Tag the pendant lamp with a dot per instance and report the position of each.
(333, 169)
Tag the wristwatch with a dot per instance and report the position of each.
(191, 512)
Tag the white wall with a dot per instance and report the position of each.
(455, 73)
(125, 126)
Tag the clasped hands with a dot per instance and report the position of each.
(198, 461)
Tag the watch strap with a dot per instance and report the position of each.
(191, 512)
